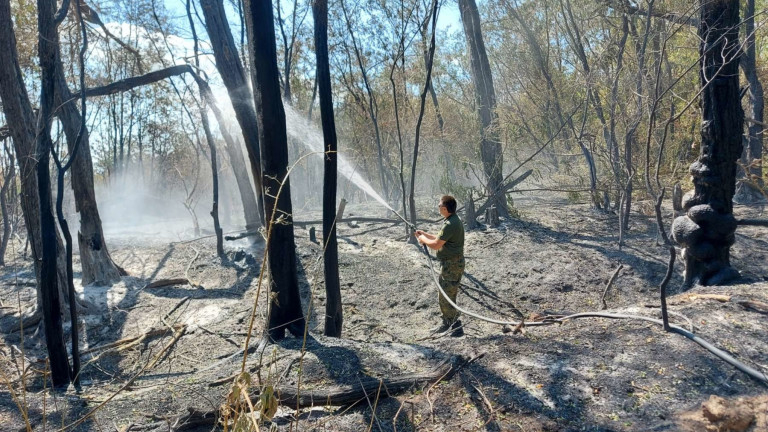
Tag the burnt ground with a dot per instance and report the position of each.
(590, 374)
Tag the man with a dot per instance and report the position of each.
(449, 243)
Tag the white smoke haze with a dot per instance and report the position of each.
(133, 207)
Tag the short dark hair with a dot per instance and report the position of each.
(449, 202)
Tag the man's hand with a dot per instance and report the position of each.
(417, 233)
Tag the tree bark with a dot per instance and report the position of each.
(21, 124)
(285, 305)
(707, 231)
(485, 98)
(333, 312)
(49, 284)
(233, 75)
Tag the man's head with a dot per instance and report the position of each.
(447, 205)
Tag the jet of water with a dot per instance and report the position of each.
(299, 128)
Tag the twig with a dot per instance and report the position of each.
(499, 240)
(186, 272)
(608, 286)
(173, 309)
(180, 332)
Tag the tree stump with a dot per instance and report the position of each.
(677, 199)
(492, 216)
(470, 216)
(312, 235)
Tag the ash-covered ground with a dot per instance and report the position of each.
(151, 355)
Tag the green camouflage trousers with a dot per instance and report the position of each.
(451, 271)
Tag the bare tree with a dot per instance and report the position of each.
(233, 75)
(430, 60)
(372, 105)
(485, 98)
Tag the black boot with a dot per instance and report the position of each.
(457, 329)
(441, 328)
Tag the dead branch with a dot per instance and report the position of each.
(345, 395)
(167, 282)
(179, 333)
(131, 341)
(137, 81)
(92, 17)
(608, 285)
(502, 190)
(750, 304)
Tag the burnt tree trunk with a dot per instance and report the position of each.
(485, 98)
(49, 284)
(21, 124)
(417, 136)
(333, 311)
(707, 230)
(97, 264)
(285, 305)
(233, 75)
(210, 141)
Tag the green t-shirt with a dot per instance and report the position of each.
(453, 234)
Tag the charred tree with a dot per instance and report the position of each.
(333, 311)
(707, 231)
(49, 284)
(233, 75)
(210, 141)
(21, 124)
(285, 305)
(425, 90)
(61, 171)
(97, 265)
(485, 98)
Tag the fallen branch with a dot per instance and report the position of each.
(167, 282)
(503, 190)
(754, 305)
(345, 395)
(752, 222)
(608, 285)
(179, 333)
(131, 341)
